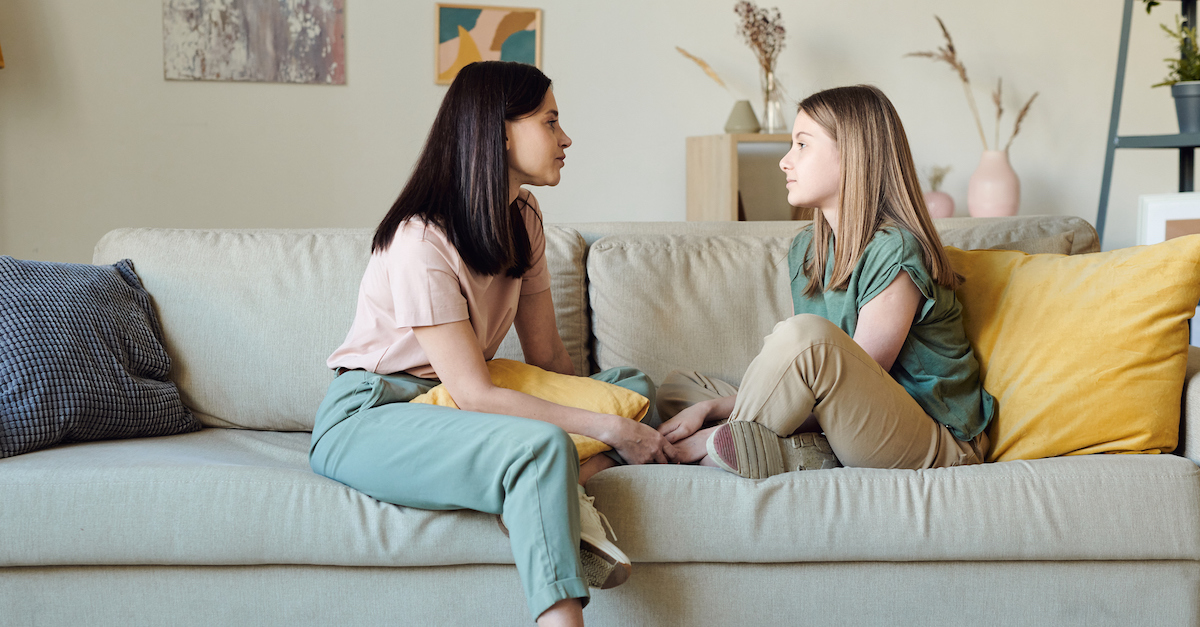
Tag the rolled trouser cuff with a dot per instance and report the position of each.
(573, 588)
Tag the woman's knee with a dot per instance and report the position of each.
(546, 440)
(629, 378)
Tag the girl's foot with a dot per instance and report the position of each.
(753, 451)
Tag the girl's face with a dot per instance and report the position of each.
(813, 167)
(536, 147)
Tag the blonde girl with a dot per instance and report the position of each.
(874, 368)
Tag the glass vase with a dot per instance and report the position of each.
(773, 120)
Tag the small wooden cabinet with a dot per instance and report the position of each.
(713, 174)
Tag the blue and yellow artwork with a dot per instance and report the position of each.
(485, 33)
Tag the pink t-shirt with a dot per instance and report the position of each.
(420, 280)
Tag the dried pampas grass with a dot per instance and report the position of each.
(1020, 116)
(948, 55)
(704, 66)
(996, 100)
(937, 174)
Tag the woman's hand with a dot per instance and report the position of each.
(685, 423)
(638, 443)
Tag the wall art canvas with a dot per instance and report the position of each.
(469, 33)
(268, 41)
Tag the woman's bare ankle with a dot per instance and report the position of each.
(593, 466)
(565, 613)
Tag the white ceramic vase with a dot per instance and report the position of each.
(940, 204)
(994, 189)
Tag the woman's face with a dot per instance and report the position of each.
(812, 166)
(536, 146)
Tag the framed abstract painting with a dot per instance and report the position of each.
(265, 41)
(468, 33)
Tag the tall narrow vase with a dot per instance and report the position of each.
(994, 189)
(773, 120)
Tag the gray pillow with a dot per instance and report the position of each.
(81, 357)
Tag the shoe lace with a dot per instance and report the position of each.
(591, 501)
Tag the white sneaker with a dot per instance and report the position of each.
(604, 565)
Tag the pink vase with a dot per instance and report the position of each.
(994, 189)
(940, 204)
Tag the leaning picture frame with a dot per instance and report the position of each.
(465, 33)
(1166, 216)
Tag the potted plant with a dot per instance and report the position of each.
(1184, 76)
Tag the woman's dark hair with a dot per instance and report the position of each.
(460, 181)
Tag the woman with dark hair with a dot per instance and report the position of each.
(456, 262)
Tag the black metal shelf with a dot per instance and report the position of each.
(1181, 140)
(1184, 142)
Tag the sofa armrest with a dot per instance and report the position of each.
(1189, 424)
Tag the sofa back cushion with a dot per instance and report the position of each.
(703, 303)
(249, 316)
(702, 296)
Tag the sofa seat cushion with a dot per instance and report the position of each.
(232, 497)
(216, 497)
(1098, 507)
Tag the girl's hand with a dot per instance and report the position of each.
(639, 444)
(685, 423)
(695, 447)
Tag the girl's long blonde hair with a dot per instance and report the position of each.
(879, 187)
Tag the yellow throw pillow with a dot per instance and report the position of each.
(578, 392)
(1085, 353)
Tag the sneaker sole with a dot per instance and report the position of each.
(602, 570)
(750, 450)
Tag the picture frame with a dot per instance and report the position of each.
(1166, 216)
(464, 33)
(300, 42)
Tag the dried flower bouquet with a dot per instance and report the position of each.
(947, 54)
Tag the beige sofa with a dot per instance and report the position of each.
(228, 526)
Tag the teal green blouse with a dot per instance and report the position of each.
(936, 365)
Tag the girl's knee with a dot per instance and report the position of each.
(805, 329)
(681, 378)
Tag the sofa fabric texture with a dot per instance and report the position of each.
(81, 357)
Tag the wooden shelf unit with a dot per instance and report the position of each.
(712, 173)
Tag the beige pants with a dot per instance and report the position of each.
(809, 366)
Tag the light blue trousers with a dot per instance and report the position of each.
(370, 438)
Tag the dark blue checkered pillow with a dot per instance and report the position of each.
(81, 357)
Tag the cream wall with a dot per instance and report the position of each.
(92, 138)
